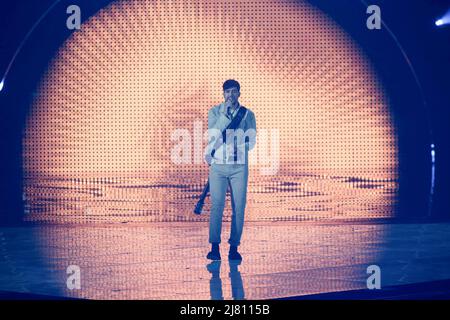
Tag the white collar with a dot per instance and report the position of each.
(237, 108)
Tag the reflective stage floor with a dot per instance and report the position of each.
(167, 260)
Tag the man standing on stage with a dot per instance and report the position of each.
(229, 166)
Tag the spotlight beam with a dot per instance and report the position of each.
(24, 40)
(444, 20)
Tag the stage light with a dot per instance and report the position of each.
(2, 84)
(443, 20)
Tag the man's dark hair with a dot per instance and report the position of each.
(230, 83)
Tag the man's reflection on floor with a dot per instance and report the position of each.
(215, 284)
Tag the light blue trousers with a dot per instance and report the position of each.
(220, 176)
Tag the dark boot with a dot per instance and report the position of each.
(214, 254)
(234, 254)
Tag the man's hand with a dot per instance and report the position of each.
(226, 105)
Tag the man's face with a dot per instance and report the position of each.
(231, 94)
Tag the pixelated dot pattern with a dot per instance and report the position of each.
(97, 141)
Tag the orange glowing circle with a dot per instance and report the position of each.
(138, 70)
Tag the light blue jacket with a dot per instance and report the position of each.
(217, 122)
